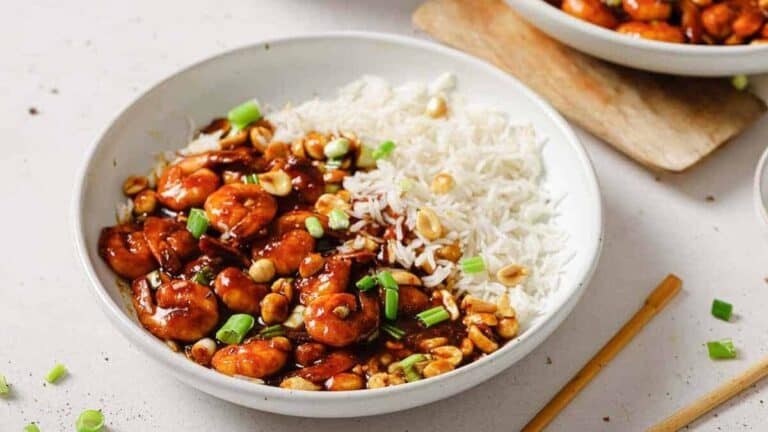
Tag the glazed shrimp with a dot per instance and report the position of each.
(593, 11)
(647, 10)
(126, 251)
(240, 209)
(287, 251)
(294, 220)
(178, 310)
(334, 278)
(337, 319)
(170, 242)
(239, 292)
(334, 363)
(189, 182)
(411, 300)
(255, 359)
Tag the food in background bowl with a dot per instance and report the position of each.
(708, 22)
(382, 237)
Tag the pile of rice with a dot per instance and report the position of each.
(497, 209)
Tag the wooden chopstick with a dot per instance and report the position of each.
(714, 398)
(656, 301)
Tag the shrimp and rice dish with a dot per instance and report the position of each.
(384, 236)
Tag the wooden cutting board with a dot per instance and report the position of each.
(663, 122)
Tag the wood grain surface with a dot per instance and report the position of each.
(661, 121)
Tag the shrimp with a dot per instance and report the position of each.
(240, 209)
(334, 278)
(286, 252)
(126, 251)
(656, 30)
(170, 242)
(337, 319)
(255, 358)
(593, 11)
(647, 10)
(239, 292)
(224, 252)
(690, 21)
(189, 182)
(334, 363)
(180, 309)
(411, 300)
(295, 219)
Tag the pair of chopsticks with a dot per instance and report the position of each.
(655, 302)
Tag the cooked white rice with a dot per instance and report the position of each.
(498, 208)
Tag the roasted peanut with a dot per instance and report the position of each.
(260, 138)
(276, 183)
(277, 150)
(437, 367)
(274, 308)
(232, 141)
(427, 344)
(481, 341)
(512, 274)
(202, 351)
(428, 224)
(442, 183)
(328, 202)
(299, 383)
(508, 328)
(283, 286)
(262, 270)
(450, 252)
(311, 264)
(314, 144)
(134, 185)
(450, 304)
(403, 277)
(485, 318)
(474, 304)
(467, 347)
(344, 381)
(504, 307)
(436, 107)
(448, 352)
(145, 202)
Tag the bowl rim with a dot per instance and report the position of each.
(760, 203)
(596, 31)
(212, 379)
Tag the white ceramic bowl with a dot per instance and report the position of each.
(297, 69)
(679, 59)
(760, 189)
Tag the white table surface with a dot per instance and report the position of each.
(79, 62)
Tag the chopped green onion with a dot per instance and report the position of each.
(56, 373)
(331, 188)
(251, 179)
(472, 265)
(197, 223)
(433, 316)
(204, 276)
(365, 283)
(393, 330)
(740, 82)
(386, 280)
(336, 148)
(90, 421)
(412, 360)
(31, 428)
(154, 279)
(332, 164)
(383, 150)
(722, 310)
(4, 389)
(314, 227)
(338, 219)
(391, 298)
(235, 329)
(365, 159)
(244, 114)
(271, 331)
(722, 349)
(411, 375)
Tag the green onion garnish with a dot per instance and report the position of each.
(472, 265)
(56, 373)
(390, 304)
(386, 280)
(244, 114)
(235, 329)
(338, 219)
(154, 279)
(393, 330)
(4, 389)
(272, 331)
(365, 283)
(383, 150)
(251, 179)
(411, 375)
(412, 360)
(204, 276)
(740, 82)
(722, 310)
(433, 316)
(31, 428)
(197, 223)
(90, 421)
(336, 148)
(331, 188)
(314, 227)
(365, 159)
(722, 349)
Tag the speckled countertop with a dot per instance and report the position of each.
(69, 67)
